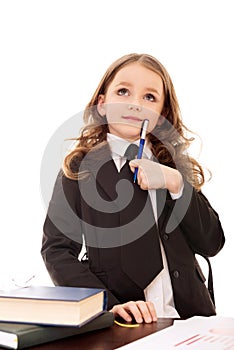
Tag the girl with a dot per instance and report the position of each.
(141, 238)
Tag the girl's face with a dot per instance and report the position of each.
(136, 93)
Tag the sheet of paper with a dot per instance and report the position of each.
(206, 333)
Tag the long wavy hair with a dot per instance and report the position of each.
(169, 140)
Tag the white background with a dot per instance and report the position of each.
(53, 55)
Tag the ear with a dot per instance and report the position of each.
(101, 105)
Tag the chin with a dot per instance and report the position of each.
(126, 131)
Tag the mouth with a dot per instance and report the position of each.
(133, 118)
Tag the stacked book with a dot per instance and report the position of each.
(35, 315)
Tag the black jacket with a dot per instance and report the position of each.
(86, 209)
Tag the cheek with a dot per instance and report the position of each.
(153, 120)
(114, 111)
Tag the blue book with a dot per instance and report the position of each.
(63, 306)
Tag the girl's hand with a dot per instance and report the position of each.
(152, 175)
(142, 311)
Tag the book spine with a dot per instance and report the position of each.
(105, 300)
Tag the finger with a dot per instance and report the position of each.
(135, 162)
(152, 310)
(145, 311)
(132, 168)
(133, 165)
(119, 310)
(144, 178)
(134, 310)
(141, 180)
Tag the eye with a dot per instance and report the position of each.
(150, 97)
(123, 92)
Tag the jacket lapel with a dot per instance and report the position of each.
(102, 170)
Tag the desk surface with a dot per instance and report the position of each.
(106, 339)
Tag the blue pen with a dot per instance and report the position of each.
(141, 146)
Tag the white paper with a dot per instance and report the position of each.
(200, 333)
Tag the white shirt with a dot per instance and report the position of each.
(159, 291)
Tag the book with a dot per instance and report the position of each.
(68, 306)
(20, 336)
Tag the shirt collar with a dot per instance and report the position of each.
(118, 146)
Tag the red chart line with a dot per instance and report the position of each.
(187, 340)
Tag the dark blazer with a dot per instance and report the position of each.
(87, 209)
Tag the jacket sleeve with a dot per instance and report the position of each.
(62, 240)
(199, 222)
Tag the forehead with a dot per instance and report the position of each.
(135, 73)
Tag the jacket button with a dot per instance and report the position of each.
(165, 237)
(176, 274)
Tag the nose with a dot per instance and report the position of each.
(133, 107)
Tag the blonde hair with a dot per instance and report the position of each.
(168, 141)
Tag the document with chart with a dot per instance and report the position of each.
(206, 333)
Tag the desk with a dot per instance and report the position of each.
(106, 339)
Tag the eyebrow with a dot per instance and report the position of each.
(149, 89)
